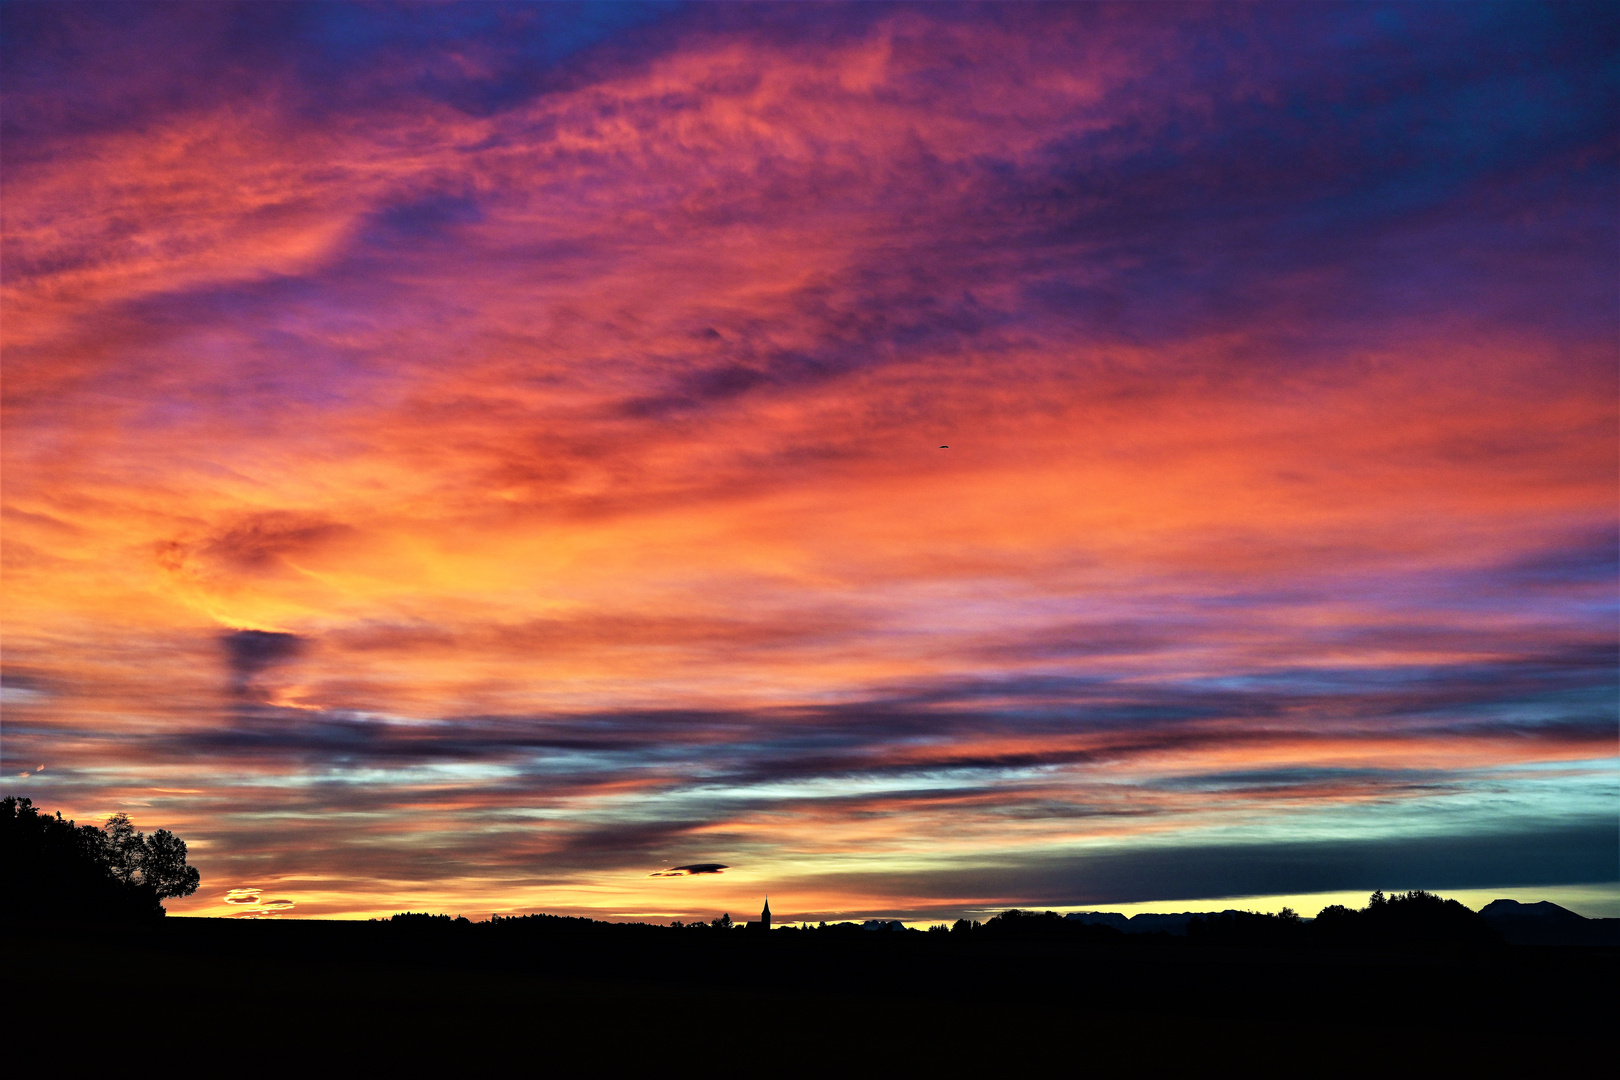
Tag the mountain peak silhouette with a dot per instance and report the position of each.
(1546, 923)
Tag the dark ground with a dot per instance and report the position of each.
(252, 998)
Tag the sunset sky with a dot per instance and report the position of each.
(473, 458)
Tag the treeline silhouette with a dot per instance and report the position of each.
(1411, 919)
(54, 870)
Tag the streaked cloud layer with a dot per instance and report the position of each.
(480, 457)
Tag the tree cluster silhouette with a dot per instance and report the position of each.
(1415, 918)
(1018, 923)
(57, 870)
(423, 919)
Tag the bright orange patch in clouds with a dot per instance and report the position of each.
(478, 493)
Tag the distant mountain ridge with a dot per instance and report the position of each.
(1545, 923)
(1540, 923)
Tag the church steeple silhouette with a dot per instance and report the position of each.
(765, 916)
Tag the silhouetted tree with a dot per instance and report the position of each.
(54, 869)
(163, 866)
(1336, 924)
(723, 922)
(159, 860)
(124, 847)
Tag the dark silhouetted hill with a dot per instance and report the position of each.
(1021, 993)
(1250, 929)
(1100, 918)
(1173, 923)
(1545, 923)
(1042, 924)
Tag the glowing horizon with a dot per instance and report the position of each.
(477, 457)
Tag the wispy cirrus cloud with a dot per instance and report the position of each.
(482, 452)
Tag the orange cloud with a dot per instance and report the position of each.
(479, 505)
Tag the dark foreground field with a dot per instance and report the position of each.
(245, 998)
